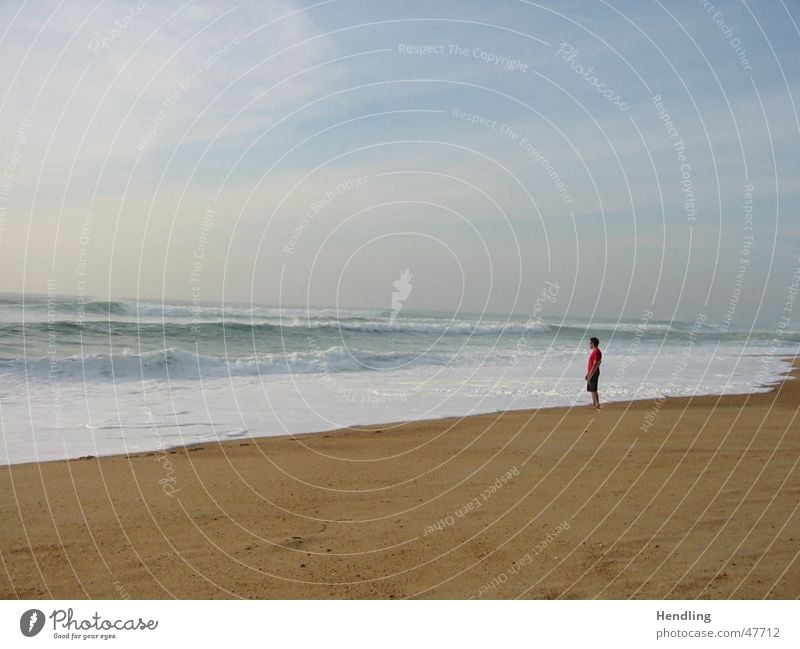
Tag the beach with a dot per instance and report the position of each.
(684, 497)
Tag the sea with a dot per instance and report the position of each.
(85, 377)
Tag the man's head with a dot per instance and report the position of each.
(594, 342)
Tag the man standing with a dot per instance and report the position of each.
(593, 371)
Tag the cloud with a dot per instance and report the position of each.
(148, 114)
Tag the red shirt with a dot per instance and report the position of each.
(594, 359)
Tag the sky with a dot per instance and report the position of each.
(639, 156)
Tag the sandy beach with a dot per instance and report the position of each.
(683, 498)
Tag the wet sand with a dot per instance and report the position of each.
(552, 503)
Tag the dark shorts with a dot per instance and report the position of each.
(591, 384)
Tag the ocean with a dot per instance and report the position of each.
(90, 378)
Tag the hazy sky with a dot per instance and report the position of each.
(297, 153)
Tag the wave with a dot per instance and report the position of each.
(419, 333)
(674, 332)
(215, 328)
(40, 309)
(60, 304)
(72, 306)
(177, 364)
(43, 314)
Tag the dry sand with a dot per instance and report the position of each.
(584, 505)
